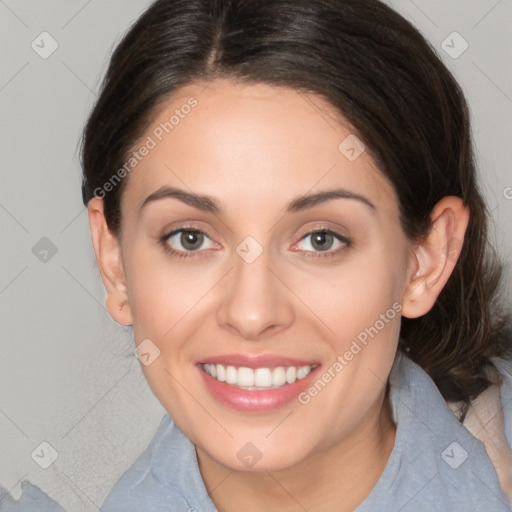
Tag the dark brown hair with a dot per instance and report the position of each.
(375, 69)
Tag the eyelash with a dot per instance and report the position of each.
(189, 254)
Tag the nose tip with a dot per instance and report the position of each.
(254, 303)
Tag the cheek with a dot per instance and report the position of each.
(162, 292)
(354, 295)
(361, 306)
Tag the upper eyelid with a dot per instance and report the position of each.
(200, 230)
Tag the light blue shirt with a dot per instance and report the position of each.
(32, 500)
(436, 463)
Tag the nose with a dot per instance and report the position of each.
(255, 302)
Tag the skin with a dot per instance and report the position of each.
(254, 148)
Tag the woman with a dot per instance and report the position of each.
(283, 204)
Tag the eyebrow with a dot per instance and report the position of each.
(209, 204)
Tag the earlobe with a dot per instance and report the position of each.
(433, 259)
(108, 256)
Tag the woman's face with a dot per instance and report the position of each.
(255, 290)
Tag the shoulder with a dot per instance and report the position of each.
(504, 367)
(164, 477)
(32, 498)
(488, 419)
(433, 452)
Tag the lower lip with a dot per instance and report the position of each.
(256, 401)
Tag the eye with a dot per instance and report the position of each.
(185, 242)
(323, 241)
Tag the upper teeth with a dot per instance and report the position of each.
(265, 378)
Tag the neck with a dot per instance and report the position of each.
(337, 478)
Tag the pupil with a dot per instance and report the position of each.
(190, 240)
(322, 239)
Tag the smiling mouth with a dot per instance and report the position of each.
(257, 379)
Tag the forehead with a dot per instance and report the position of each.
(244, 142)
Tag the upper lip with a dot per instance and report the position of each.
(259, 361)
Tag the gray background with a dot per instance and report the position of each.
(67, 372)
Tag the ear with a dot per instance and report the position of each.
(108, 255)
(433, 259)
